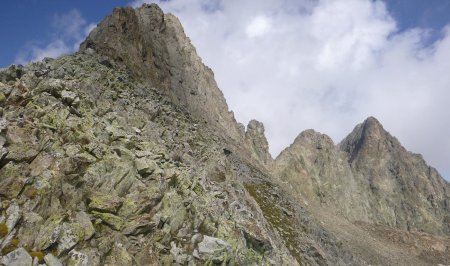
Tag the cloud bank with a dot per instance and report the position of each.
(69, 30)
(327, 65)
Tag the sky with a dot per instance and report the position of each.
(292, 64)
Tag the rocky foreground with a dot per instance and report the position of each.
(125, 153)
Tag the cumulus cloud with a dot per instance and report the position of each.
(70, 29)
(327, 65)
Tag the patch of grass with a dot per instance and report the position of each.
(284, 224)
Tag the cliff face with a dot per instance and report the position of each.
(155, 48)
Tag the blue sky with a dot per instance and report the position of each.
(327, 68)
(31, 22)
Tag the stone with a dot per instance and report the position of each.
(104, 202)
(213, 247)
(51, 260)
(18, 257)
(49, 233)
(71, 234)
(77, 258)
(146, 166)
(68, 97)
(119, 256)
(84, 220)
(14, 214)
(112, 220)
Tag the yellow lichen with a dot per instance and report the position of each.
(11, 246)
(39, 255)
(3, 230)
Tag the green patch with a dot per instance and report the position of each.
(39, 255)
(11, 246)
(284, 224)
(3, 230)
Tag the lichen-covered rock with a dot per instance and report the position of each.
(104, 202)
(71, 234)
(50, 231)
(51, 260)
(84, 221)
(119, 256)
(213, 249)
(18, 257)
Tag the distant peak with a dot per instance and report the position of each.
(370, 137)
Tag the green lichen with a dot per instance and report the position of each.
(284, 224)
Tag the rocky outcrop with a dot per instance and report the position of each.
(155, 48)
(257, 142)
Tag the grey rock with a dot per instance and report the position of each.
(14, 214)
(18, 257)
(68, 97)
(51, 260)
(211, 245)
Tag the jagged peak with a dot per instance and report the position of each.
(155, 48)
(370, 136)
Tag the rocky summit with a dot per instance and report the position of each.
(125, 153)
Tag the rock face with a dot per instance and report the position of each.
(368, 177)
(155, 48)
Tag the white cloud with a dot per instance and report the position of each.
(327, 65)
(258, 27)
(70, 29)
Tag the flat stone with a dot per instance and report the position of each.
(104, 202)
(51, 260)
(18, 257)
